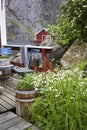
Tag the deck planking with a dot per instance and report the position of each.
(7, 97)
(10, 121)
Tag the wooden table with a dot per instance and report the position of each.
(44, 50)
(6, 66)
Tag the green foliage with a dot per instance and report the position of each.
(81, 65)
(28, 128)
(27, 83)
(72, 23)
(62, 104)
(4, 56)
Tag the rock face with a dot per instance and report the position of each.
(75, 54)
(57, 54)
(32, 14)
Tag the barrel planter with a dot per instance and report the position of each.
(24, 98)
(6, 72)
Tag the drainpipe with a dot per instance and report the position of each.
(3, 23)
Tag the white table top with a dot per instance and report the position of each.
(6, 66)
(32, 47)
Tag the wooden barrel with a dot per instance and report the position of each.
(24, 99)
(6, 72)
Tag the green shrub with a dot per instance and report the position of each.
(62, 104)
(72, 23)
(4, 56)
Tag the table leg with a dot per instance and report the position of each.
(46, 62)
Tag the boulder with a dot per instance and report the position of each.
(75, 54)
(57, 54)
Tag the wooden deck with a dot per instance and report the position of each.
(7, 97)
(8, 119)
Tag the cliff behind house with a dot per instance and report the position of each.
(27, 17)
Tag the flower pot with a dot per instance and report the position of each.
(24, 98)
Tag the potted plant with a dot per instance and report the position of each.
(25, 94)
(27, 83)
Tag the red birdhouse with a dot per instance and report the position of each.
(40, 37)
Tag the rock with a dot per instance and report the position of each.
(75, 54)
(57, 54)
(32, 14)
(84, 73)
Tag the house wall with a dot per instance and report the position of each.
(41, 36)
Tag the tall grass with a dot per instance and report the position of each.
(62, 101)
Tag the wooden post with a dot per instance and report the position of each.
(0, 39)
(3, 23)
(46, 63)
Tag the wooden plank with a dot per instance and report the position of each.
(8, 86)
(6, 116)
(10, 123)
(2, 109)
(5, 104)
(17, 64)
(9, 91)
(11, 82)
(9, 101)
(20, 126)
(8, 95)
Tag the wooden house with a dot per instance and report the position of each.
(40, 37)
